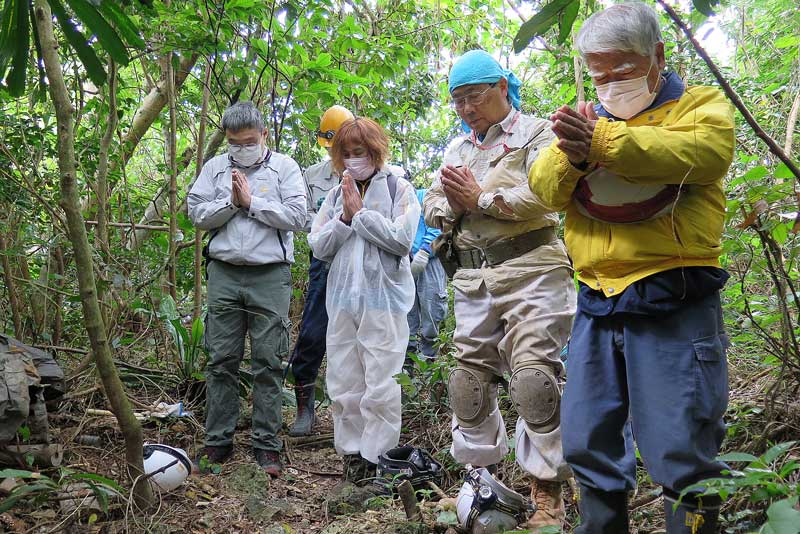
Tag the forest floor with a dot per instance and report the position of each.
(309, 497)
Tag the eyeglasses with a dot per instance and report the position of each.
(326, 135)
(473, 99)
(242, 146)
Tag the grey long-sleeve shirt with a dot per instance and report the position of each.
(261, 234)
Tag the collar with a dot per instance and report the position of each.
(507, 125)
(672, 88)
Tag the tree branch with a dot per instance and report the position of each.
(731, 93)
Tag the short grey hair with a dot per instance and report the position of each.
(630, 27)
(242, 116)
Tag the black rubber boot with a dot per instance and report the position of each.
(602, 512)
(693, 515)
(305, 419)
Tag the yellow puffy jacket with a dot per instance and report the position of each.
(691, 137)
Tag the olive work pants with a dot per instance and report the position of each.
(254, 300)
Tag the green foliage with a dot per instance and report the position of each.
(35, 489)
(771, 478)
(552, 13)
(108, 23)
(188, 343)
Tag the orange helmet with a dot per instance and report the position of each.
(330, 123)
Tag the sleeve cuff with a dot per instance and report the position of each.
(599, 146)
(485, 201)
(256, 205)
(426, 248)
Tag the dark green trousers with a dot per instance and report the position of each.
(245, 300)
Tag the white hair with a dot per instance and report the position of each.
(630, 27)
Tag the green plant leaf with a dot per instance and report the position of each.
(19, 473)
(124, 25)
(566, 19)
(19, 64)
(782, 517)
(106, 35)
(79, 43)
(539, 23)
(94, 477)
(704, 6)
(737, 457)
(777, 451)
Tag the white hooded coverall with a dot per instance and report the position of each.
(370, 292)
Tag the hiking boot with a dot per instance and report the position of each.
(212, 454)
(546, 495)
(353, 469)
(269, 461)
(305, 419)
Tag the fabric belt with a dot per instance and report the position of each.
(474, 258)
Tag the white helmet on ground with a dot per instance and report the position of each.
(604, 196)
(167, 466)
(487, 506)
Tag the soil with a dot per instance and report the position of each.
(310, 496)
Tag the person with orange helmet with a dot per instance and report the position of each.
(310, 346)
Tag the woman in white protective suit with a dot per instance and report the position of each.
(365, 229)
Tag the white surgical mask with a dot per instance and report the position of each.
(359, 168)
(626, 98)
(246, 155)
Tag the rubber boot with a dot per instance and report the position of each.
(602, 512)
(693, 515)
(305, 419)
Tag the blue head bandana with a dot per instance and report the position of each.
(477, 66)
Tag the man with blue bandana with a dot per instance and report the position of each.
(514, 295)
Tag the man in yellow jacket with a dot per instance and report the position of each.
(640, 179)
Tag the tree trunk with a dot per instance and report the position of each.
(151, 108)
(101, 185)
(11, 287)
(172, 148)
(70, 204)
(158, 205)
(198, 234)
(58, 319)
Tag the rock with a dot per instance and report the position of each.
(349, 499)
(409, 527)
(267, 510)
(248, 480)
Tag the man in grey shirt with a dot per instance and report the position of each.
(249, 200)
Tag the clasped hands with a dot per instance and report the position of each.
(240, 190)
(460, 188)
(574, 129)
(351, 199)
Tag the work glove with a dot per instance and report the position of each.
(419, 262)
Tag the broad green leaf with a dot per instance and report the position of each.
(787, 41)
(127, 29)
(737, 457)
(704, 6)
(79, 43)
(19, 473)
(777, 451)
(756, 173)
(782, 517)
(94, 477)
(539, 23)
(19, 65)
(566, 19)
(106, 35)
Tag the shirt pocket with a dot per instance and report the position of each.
(710, 378)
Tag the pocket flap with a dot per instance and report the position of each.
(708, 348)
